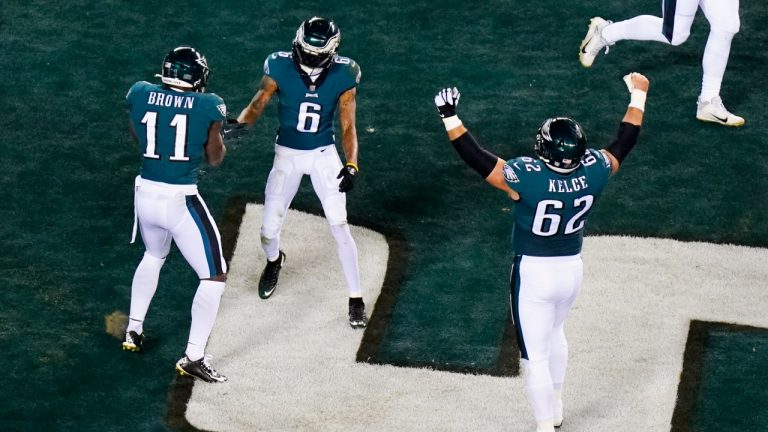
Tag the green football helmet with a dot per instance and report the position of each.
(561, 143)
(185, 67)
(316, 42)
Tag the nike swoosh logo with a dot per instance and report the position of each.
(724, 120)
(584, 48)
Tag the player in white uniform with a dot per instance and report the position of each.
(311, 82)
(177, 125)
(673, 28)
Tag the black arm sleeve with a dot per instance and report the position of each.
(475, 156)
(625, 140)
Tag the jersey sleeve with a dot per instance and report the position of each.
(601, 168)
(135, 89)
(272, 65)
(352, 72)
(218, 111)
(512, 173)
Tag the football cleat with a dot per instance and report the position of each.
(357, 318)
(133, 341)
(714, 111)
(593, 42)
(199, 369)
(268, 280)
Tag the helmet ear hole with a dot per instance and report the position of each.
(561, 143)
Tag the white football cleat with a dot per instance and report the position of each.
(714, 111)
(593, 42)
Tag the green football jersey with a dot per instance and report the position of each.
(306, 113)
(172, 128)
(550, 216)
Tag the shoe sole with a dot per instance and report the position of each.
(184, 373)
(131, 347)
(357, 324)
(708, 120)
(590, 34)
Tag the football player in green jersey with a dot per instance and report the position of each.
(176, 125)
(553, 196)
(311, 82)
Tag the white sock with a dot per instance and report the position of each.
(143, 289)
(538, 384)
(271, 247)
(347, 249)
(205, 307)
(642, 28)
(713, 63)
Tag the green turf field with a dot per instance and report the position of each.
(68, 166)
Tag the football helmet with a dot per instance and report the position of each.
(561, 143)
(316, 42)
(185, 67)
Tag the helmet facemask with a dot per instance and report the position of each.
(316, 43)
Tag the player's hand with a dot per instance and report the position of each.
(636, 81)
(233, 130)
(347, 176)
(446, 101)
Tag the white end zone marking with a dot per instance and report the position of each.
(290, 359)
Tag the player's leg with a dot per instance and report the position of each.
(535, 292)
(282, 184)
(677, 18)
(324, 171)
(157, 242)
(723, 17)
(558, 358)
(199, 241)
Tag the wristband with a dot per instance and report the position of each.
(637, 99)
(451, 122)
(353, 166)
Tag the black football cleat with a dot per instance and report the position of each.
(268, 280)
(133, 342)
(199, 369)
(357, 318)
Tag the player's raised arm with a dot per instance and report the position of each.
(489, 166)
(214, 147)
(626, 138)
(253, 111)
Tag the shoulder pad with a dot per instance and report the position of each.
(275, 57)
(136, 87)
(350, 67)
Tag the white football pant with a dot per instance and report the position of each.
(543, 290)
(323, 166)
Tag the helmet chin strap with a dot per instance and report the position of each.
(312, 73)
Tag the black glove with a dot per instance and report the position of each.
(446, 101)
(347, 176)
(233, 130)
